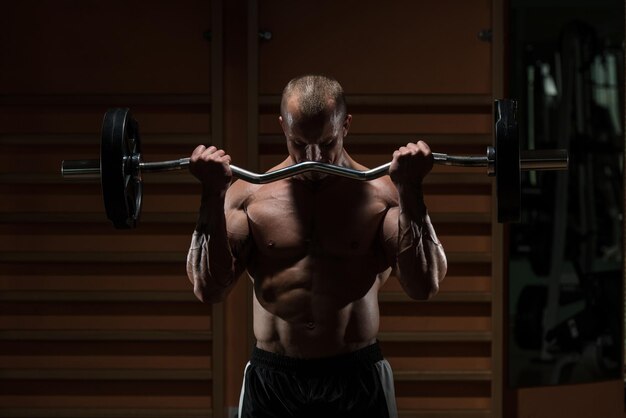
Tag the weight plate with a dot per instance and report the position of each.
(507, 164)
(120, 155)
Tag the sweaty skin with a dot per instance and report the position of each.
(318, 248)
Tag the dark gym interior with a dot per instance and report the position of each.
(103, 323)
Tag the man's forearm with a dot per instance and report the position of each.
(421, 261)
(210, 262)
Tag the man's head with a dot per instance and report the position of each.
(314, 119)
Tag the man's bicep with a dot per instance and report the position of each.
(236, 217)
(238, 238)
(237, 226)
(390, 235)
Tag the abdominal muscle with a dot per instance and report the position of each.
(316, 307)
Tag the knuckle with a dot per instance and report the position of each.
(197, 152)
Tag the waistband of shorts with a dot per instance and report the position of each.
(364, 357)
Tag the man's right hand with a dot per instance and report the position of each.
(212, 167)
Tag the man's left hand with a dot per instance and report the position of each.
(411, 164)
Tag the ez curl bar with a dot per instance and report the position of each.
(120, 165)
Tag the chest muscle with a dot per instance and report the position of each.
(292, 222)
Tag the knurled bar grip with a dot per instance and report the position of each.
(530, 160)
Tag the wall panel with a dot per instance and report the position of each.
(72, 47)
(95, 321)
(406, 47)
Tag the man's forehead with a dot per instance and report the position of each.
(311, 129)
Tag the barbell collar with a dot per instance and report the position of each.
(491, 157)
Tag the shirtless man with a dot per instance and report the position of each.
(318, 248)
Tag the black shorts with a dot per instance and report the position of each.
(358, 384)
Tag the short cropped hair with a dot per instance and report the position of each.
(314, 92)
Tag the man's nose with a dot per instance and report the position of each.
(313, 153)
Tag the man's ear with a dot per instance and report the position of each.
(282, 124)
(346, 125)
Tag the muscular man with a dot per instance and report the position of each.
(317, 248)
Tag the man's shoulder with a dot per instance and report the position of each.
(382, 187)
(238, 194)
(386, 190)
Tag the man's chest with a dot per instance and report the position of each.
(291, 221)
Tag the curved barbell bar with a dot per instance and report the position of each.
(530, 160)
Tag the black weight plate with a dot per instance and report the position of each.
(507, 164)
(120, 155)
